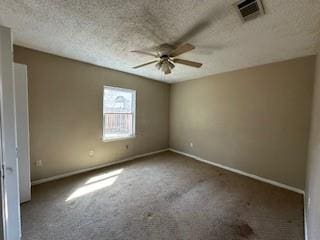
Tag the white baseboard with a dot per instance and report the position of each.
(36, 182)
(281, 185)
(297, 190)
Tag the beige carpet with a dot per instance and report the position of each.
(165, 196)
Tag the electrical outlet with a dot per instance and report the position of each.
(91, 153)
(191, 144)
(39, 163)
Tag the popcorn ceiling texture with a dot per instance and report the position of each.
(104, 32)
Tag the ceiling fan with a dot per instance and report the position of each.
(166, 55)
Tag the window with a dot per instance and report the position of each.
(119, 110)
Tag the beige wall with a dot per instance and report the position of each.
(65, 105)
(255, 120)
(312, 202)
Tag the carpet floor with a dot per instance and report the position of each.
(164, 196)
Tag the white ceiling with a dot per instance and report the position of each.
(103, 32)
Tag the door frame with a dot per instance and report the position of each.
(9, 165)
(22, 128)
(2, 205)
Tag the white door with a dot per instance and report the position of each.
(22, 123)
(9, 165)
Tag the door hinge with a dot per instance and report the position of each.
(3, 167)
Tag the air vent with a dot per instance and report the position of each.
(249, 9)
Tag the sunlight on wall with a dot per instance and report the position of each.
(96, 183)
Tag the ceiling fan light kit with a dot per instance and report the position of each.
(166, 57)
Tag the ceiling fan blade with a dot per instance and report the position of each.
(187, 62)
(145, 64)
(181, 49)
(145, 53)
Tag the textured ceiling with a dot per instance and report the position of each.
(104, 32)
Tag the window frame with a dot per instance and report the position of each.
(134, 103)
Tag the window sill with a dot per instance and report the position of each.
(117, 139)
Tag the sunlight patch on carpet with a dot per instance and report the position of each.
(96, 183)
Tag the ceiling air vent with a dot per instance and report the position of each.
(249, 9)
